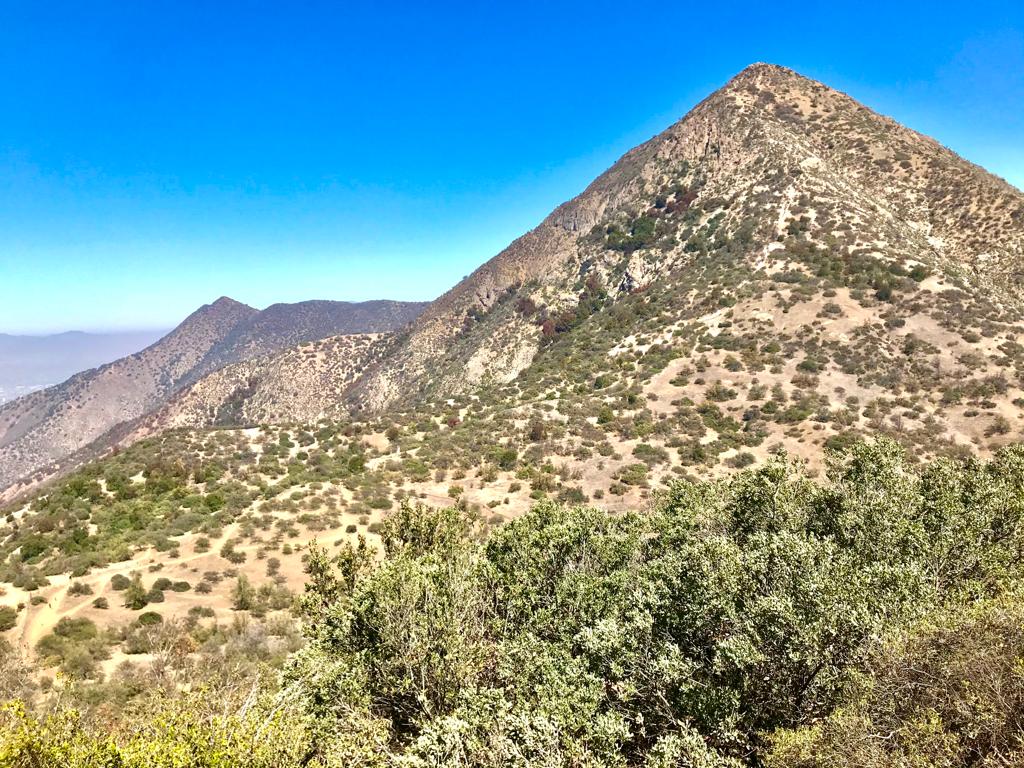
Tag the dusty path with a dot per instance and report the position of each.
(37, 621)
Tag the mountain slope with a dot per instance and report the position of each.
(304, 384)
(50, 425)
(781, 237)
(770, 155)
(281, 326)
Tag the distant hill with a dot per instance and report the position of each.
(280, 326)
(47, 426)
(35, 362)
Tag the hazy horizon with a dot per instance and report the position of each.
(30, 362)
(99, 332)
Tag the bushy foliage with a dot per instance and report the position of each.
(950, 692)
(185, 733)
(681, 637)
(870, 619)
(8, 617)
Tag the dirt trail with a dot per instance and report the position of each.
(43, 615)
(40, 620)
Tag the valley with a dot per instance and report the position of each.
(31, 363)
(15, 391)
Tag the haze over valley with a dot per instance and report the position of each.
(28, 363)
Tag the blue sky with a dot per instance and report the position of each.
(156, 155)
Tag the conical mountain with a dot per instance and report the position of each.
(769, 160)
(782, 267)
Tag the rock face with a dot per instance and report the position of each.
(48, 426)
(770, 155)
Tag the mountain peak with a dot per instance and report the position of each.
(759, 68)
(770, 165)
(774, 79)
(223, 313)
(226, 302)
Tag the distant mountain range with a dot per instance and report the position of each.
(45, 427)
(33, 362)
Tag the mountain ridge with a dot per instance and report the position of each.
(46, 426)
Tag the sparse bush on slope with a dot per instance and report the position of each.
(764, 618)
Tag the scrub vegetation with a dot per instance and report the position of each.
(767, 618)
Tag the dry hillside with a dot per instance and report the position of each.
(42, 431)
(770, 161)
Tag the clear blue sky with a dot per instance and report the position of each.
(154, 156)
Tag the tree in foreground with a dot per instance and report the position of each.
(733, 611)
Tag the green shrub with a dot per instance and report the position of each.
(119, 582)
(8, 618)
(75, 629)
(948, 691)
(232, 555)
(632, 474)
(738, 608)
(135, 595)
(186, 731)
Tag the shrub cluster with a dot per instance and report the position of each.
(768, 618)
(689, 636)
